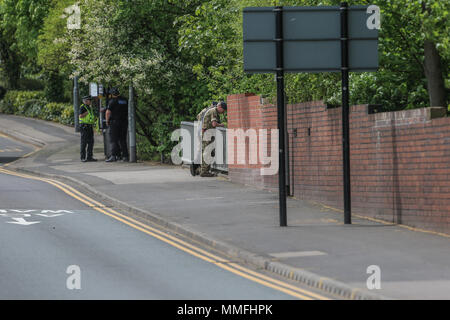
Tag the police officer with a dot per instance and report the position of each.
(210, 118)
(87, 121)
(117, 120)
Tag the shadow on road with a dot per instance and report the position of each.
(4, 160)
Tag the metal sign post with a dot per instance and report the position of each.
(311, 39)
(106, 131)
(345, 114)
(281, 115)
(101, 91)
(76, 104)
(131, 124)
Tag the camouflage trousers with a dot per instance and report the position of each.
(205, 168)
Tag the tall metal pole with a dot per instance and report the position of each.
(76, 104)
(286, 141)
(132, 124)
(106, 142)
(281, 115)
(345, 113)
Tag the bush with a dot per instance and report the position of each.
(58, 112)
(14, 101)
(32, 104)
(67, 115)
(145, 150)
(31, 108)
(51, 111)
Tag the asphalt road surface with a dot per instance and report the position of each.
(11, 150)
(55, 246)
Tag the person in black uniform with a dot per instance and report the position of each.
(117, 120)
(87, 121)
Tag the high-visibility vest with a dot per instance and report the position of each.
(90, 117)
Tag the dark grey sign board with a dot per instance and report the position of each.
(311, 39)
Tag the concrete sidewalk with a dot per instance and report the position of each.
(242, 222)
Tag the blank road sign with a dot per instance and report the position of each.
(311, 39)
(93, 89)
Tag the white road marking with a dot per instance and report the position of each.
(19, 215)
(22, 221)
(49, 215)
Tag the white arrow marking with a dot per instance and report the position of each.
(22, 222)
(49, 215)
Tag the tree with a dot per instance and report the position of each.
(54, 45)
(53, 41)
(9, 57)
(435, 17)
(414, 55)
(123, 43)
(20, 23)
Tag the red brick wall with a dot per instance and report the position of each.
(400, 161)
(245, 111)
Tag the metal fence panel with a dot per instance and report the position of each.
(188, 135)
(221, 162)
(187, 142)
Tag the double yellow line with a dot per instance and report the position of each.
(178, 243)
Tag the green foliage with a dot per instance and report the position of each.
(6, 107)
(145, 150)
(57, 112)
(20, 23)
(67, 115)
(32, 104)
(31, 108)
(32, 38)
(135, 47)
(14, 100)
(53, 42)
(23, 19)
(53, 50)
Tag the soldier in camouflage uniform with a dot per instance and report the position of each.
(209, 117)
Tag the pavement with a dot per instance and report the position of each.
(316, 248)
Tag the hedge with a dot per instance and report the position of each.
(33, 104)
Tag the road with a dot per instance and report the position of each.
(11, 150)
(56, 243)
